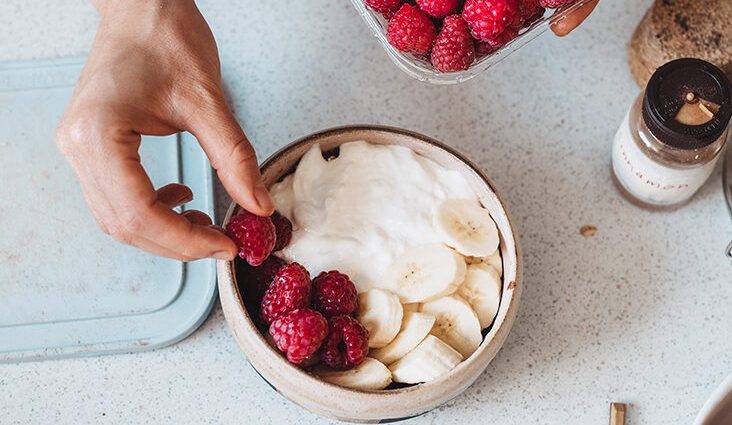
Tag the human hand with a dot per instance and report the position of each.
(572, 21)
(154, 69)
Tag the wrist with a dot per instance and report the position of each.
(107, 7)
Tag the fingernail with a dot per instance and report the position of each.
(263, 198)
(224, 255)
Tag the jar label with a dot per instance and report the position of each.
(648, 180)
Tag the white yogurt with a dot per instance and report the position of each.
(358, 212)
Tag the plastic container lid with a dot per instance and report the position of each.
(667, 93)
(422, 70)
(67, 289)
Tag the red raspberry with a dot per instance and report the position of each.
(384, 6)
(299, 333)
(454, 49)
(529, 9)
(410, 30)
(553, 4)
(283, 230)
(347, 343)
(289, 290)
(438, 8)
(334, 294)
(253, 235)
(254, 281)
(483, 48)
(489, 18)
(503, 38)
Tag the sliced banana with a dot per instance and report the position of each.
(425, 272)
(415, 327)
(380, 312)
(494, 260)
(466, 226)
(368, 375)
(410, 307)
(455, 323)
(431, 359)
(482, 290)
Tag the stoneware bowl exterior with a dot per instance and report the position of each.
(332, 401)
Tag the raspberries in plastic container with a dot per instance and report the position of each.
(412, 29)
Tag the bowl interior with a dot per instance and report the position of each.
(284, 162)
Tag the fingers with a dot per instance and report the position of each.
(230, 152)
(197, 217)
(189, 235)
(127, 206)
(564, 26)
(174, 195)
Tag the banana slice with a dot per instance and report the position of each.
(482, 290)
(415, 327)
(380, 312)
(410, 307)
(455, 323)
(431, 359)
(368, 375)
(494, 260)
(467, 227)
(425, 272)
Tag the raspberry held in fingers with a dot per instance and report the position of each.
(254, 236)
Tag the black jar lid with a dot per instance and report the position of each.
(666, 93)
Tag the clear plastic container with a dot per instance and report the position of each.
(422, 70)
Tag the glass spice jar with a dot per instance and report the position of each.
(673, 135)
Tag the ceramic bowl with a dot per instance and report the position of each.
(322, 398)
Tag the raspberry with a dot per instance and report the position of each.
(553, 4)
(254, 281)
(488, 18)
(299, 333)
(334, 294)
(529, 9)
(283, 230)
(383, 6)
(289, 290)
(483, 48)
(347, 343)
(410, 30)
(254, 236)
(454, 49)
(438, 8)
(507, 35)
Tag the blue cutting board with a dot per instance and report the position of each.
(67, 289)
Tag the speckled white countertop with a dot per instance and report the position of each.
(639, 313)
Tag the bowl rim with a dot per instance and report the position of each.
(227, 271)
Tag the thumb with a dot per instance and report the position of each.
(230, 153)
